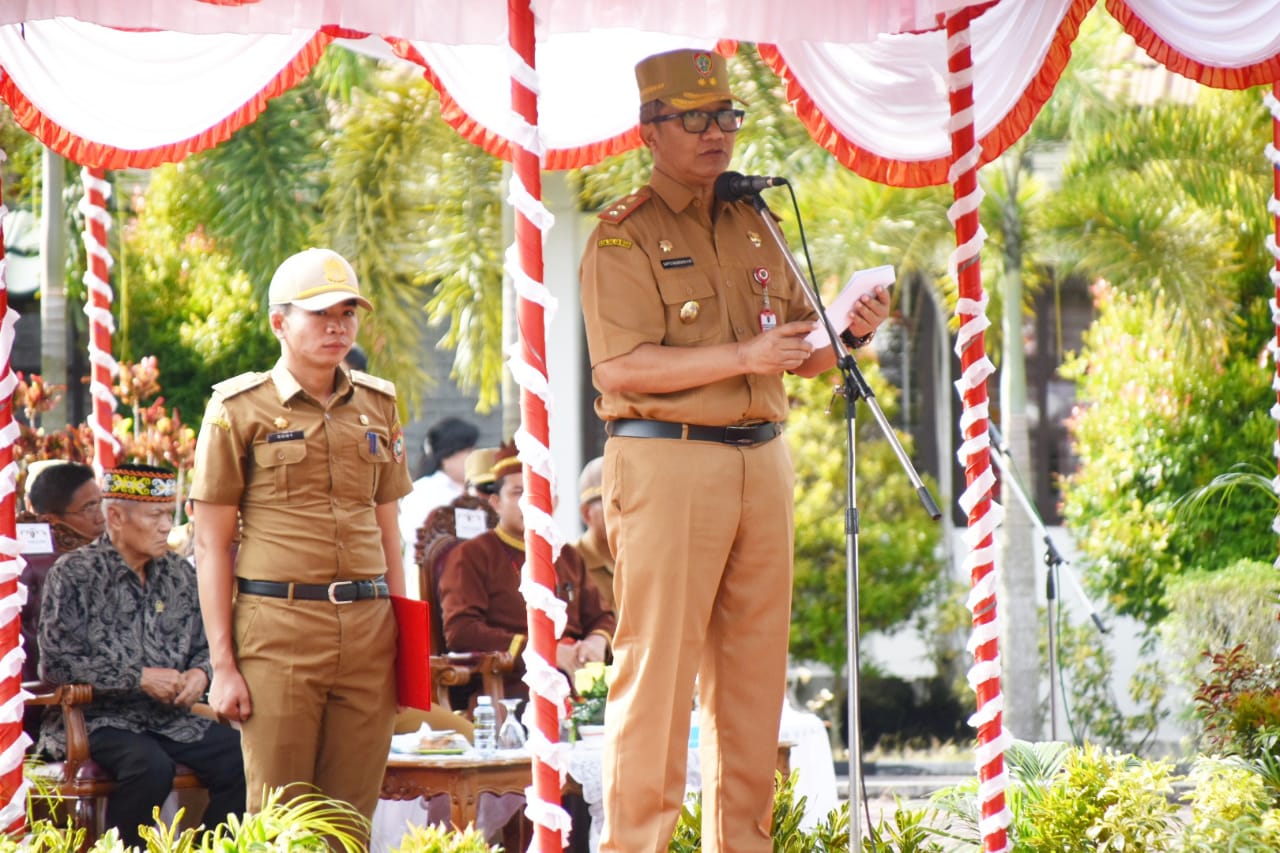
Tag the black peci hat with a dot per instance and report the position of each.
(446, 437)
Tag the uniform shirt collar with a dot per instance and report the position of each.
(676, 195)
(288, 387)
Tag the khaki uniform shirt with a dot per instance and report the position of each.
(306, 475)
(657, 270)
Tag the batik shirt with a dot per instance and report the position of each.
(101, 624)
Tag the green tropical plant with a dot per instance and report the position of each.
(1153, 427)
(900, 566)
(1094, 712)
(1231, 808)
(829, 836)
(436, 839)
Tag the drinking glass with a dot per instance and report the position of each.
(510, 733)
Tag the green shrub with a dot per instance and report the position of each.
(1213, 611)
(1103, 801)
(829, 836)
(1230, 809)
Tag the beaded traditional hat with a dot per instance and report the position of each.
(137, 482)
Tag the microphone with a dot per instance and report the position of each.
(731, 186)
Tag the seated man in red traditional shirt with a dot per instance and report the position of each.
(480, 588)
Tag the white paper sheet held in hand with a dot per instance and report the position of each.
(859, 284)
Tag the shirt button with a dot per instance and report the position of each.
(738, 329)
(280, 455)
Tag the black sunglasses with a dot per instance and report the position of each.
(697, 121)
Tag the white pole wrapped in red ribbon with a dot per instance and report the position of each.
(97, 277)
(975, 452)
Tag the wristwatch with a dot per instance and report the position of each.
(854, 342)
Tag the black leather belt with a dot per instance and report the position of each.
(737, 435)
(339, 592)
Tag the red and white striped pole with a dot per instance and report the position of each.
(1272, 100)
(13, 595)
(528, 364)
(97, 277)
(975, 452)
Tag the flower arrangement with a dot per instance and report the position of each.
(591, 683)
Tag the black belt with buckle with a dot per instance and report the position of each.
(339, 592)
(736, 435)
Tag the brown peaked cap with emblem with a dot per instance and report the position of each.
(685, 79)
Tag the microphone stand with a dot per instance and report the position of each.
(1054, 561)
(853, 387)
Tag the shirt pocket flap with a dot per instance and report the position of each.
(679, 288)
(272, 454)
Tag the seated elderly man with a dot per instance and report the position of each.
(480, 588)
(122, 614)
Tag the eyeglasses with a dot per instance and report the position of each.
(91, 508)
(697, 121)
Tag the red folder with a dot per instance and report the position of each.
(413, 653)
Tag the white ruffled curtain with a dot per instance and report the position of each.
(1226, 33)
(140, 90)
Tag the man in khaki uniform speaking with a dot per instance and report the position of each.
(310, 458)
(692, 316)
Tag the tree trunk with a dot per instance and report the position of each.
(54, 340)
(1019, 643)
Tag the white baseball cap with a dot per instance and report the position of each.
(315, 279)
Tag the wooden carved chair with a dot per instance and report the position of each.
(461, 669)
(436, 538)
(77, 787)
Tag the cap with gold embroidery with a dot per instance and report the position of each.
(479, 466)
(315, 279)
(590, 481)
(505, 461)
(137, 482)
(685, 79)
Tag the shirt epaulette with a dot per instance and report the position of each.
(623, 207)
(239, 384)
(377, 383)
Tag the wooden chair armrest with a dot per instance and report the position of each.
(71, 698)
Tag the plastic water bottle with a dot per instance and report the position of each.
(486, 727)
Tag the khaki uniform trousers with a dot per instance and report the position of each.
(321, 677)
(702, 533)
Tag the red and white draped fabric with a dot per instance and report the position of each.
(975, 453)
(97, 277)
(13, 594)
(78, 87)
(484, 21)
(881, 106)
(1227, 44)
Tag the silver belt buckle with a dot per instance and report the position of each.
(740, 435)
(333, 588)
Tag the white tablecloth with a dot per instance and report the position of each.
(811, 756)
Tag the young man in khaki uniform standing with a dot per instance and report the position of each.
(308, 459)
(692, 316)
